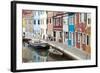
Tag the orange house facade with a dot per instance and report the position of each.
(82, 31)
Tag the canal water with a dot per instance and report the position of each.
(37, 53)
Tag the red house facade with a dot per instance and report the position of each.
(58, 26)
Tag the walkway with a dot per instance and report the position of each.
(73, 52)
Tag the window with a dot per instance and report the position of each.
(34, 22)
(54, 21)
(50, 20)
(66, 34)
(46, 31)
(64, 21)
(70, 20)
(57, 21)
(88, 40)
(89, 21)
(70, 35)
(80, 17)
(47, 21)
(60, 34)
(61, 21)
(38, 13)
(54, 34)
(85, 17)
(39, 22)
(78, 37)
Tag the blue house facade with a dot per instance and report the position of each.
(71, 29)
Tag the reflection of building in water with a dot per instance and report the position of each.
(40, 53)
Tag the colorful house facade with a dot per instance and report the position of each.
(88, 34)
(50, 24)
(65, 29)
(82, 30)
(36, 23)
(77, 30)
(27, 20)
(27, 23)
(71, 29)
(58, 26)
(43, 23)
